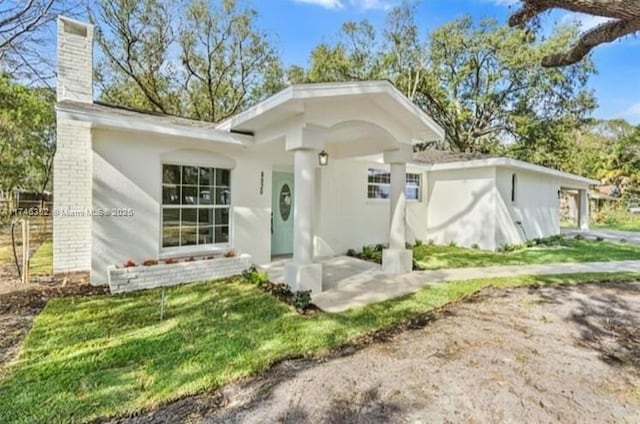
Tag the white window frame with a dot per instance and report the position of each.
(385, 184)
(166, 251)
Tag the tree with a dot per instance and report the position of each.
(27, 136)
(21, 24)
(225, 62)
(624, 20)
(485, 87)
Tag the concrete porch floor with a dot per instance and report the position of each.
(338, 271)
(350, 282)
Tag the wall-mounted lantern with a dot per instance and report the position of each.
(323, 158)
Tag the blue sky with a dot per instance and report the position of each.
(300, 25)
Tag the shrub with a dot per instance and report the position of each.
(599, 238)
(579, 237)
(352, 253)
(508, 247)
(190, 259)
(418, 243)
(453, 244)
(475, 246)
(130, 264)
(301, 299)
(171, 261)
(256, 277)
(431, 242)
(229, 254)
(150, 262)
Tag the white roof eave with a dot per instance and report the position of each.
(505, 162)
(102, 119)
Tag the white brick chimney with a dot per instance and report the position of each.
(75, 60)
(72, 163)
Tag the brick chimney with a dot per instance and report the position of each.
(75, 60)
(72, 163)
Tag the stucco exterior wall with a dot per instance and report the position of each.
(127, 173)
(346, 219)
(461, 207)
(536, 210)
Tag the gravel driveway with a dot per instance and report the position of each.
(563, 354)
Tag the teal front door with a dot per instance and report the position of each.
(282, 214)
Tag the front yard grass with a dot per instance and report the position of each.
(104, 355)
(565, 250)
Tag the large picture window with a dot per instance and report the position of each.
(379, 185)
(195, 205)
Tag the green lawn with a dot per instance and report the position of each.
(631, 225)
(105, 355)
(616, 220)
(42, 260)
(566, 250)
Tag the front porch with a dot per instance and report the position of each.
(313, 146)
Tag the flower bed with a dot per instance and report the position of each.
(139, 277)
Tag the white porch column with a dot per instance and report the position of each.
(302, 273)
(397, 206)
(304, 183)
(397, 259)
(583, 210)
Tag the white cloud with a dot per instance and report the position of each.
(327, 4)
(359, 4)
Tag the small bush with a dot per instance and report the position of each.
(230, 254)
(130, 264)
(453, 244)
(190, 259)
(301, 299)
(623, 240)
(579, 237)
(170, 261)
(352, 253)
(475, 246)
(256, 277)
(418, 243)
(599, 238)
(431, 242)
(150, 262)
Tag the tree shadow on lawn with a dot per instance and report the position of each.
(608, 318)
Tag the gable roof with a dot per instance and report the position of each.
(293, 100)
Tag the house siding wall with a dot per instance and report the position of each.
(461, 207)
(127, 173)
(537, 205)
(346, 219)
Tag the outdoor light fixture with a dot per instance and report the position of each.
(323, 158)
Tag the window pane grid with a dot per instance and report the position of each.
(195, 205)
(379, 185)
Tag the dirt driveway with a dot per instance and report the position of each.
(564, 354)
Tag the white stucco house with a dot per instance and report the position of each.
(255, 183)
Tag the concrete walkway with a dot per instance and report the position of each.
(632, 237)
(365, 284)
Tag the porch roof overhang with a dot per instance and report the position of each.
(112, 117)
(326, 104)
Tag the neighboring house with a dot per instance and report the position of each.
(255, 183)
